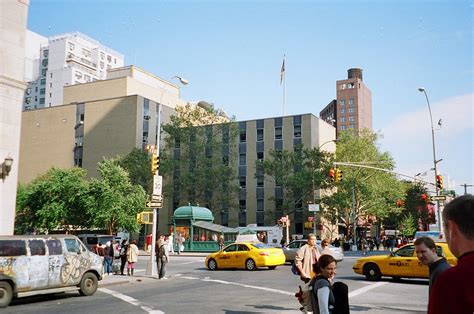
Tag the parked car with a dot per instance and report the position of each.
(400, 263)
(33, 264)
(246, 255)
(91, 240)
(291, 249)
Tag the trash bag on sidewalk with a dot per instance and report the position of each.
(116, 267)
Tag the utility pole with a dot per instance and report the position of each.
(354, 234)
(465, 187)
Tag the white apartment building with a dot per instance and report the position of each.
(66, 59)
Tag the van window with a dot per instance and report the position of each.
(54, 247)
(12, 248)
(72, 246)
(91, 240)
(37, 247)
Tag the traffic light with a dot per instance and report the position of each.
(331, 174)
(155, 163)
(145, 218)
(338, 175)
(439, 181)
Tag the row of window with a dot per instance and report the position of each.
(350, 85)
(37, 247)
(345, 127)
(342, 102)
(278, 133)
(350, 119)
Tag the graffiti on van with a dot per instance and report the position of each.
(6, 265)
(73, 268)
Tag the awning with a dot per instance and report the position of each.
(213, 227)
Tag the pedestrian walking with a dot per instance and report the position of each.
(123, 255)
(179, 243)
(453, 291)
(162, 257)
(108, 258)
(171, 244)
(306, 257)
(221, 242)
(132, 257)
(425, 249)
(327, 296)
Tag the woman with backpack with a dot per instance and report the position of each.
(326, 297)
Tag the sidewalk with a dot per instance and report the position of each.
(369, 253)
(192, 254)
(114, 280)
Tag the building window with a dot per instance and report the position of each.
(278, 133)
(242, 159)
(351, 102)
(101, 63)
(45, 53)
(102, 55)
(44, 71)
(260, 204)
(342, 86)
(259, 135)
(109, 58)
(243, 136)
(42, 91)
(44, 62)
(342, 127)
(78, 74)
(351, 110)
(71, 46)
(351, 119)
(243, 182)
(87, 78)
(297, 131)
(342, 102)
(86, 53)
(350, 85)
(50, 85)
(351, 126)
(260, 156)
(260, 181)
(43, 81)
(343, 110)
(242, 205)
(342, 119)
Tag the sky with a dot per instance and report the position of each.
(231, 53)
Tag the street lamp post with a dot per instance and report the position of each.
(151, 267)
(435, 162)
(314, 191)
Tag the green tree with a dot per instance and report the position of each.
(374, 191)
(137, 164)
(199, 158)
(116, 201)
(408, 225)
(56, 200)
(298, 173)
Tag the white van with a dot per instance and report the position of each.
(33, 264)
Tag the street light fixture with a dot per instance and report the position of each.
(181, 80)
(435, 162)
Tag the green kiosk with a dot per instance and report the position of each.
(196, 225)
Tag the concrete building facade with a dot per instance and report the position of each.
(13, 17)
(63, 60)
(352, 108)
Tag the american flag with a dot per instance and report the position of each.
(282, 71)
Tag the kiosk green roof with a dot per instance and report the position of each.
(193, 213)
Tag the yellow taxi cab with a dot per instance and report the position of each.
(246, 255)
(400, 263)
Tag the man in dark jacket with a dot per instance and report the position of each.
(425, 249)
(453, 291)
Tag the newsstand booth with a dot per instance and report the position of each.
(196, 225)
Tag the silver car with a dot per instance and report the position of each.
(291, 249)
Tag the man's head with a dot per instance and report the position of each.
(458, 216)
(425, 249)
(311, 239)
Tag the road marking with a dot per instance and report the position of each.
(365, 289)
(131, 300)
(241, 285)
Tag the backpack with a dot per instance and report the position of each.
(162, 251)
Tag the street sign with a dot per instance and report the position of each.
(157, 198)
(438, 197)
(154, 204)
(313, 207)
(157, 184)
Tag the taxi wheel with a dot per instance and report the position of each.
(250, 264)
(211, 264)
(272, 267)
(6, 294)
(372, 272)
(89, 284)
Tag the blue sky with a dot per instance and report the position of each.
(231, 52)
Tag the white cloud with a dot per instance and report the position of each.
(408, 139)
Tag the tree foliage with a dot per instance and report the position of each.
(62, 199)
(137, 164)
(408, 225)
(374, 191)
(298, 173)
(199, 155)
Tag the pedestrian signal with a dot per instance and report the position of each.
(145, 218)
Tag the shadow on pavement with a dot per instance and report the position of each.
(360, 308)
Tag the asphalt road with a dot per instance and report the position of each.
(191, 288)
